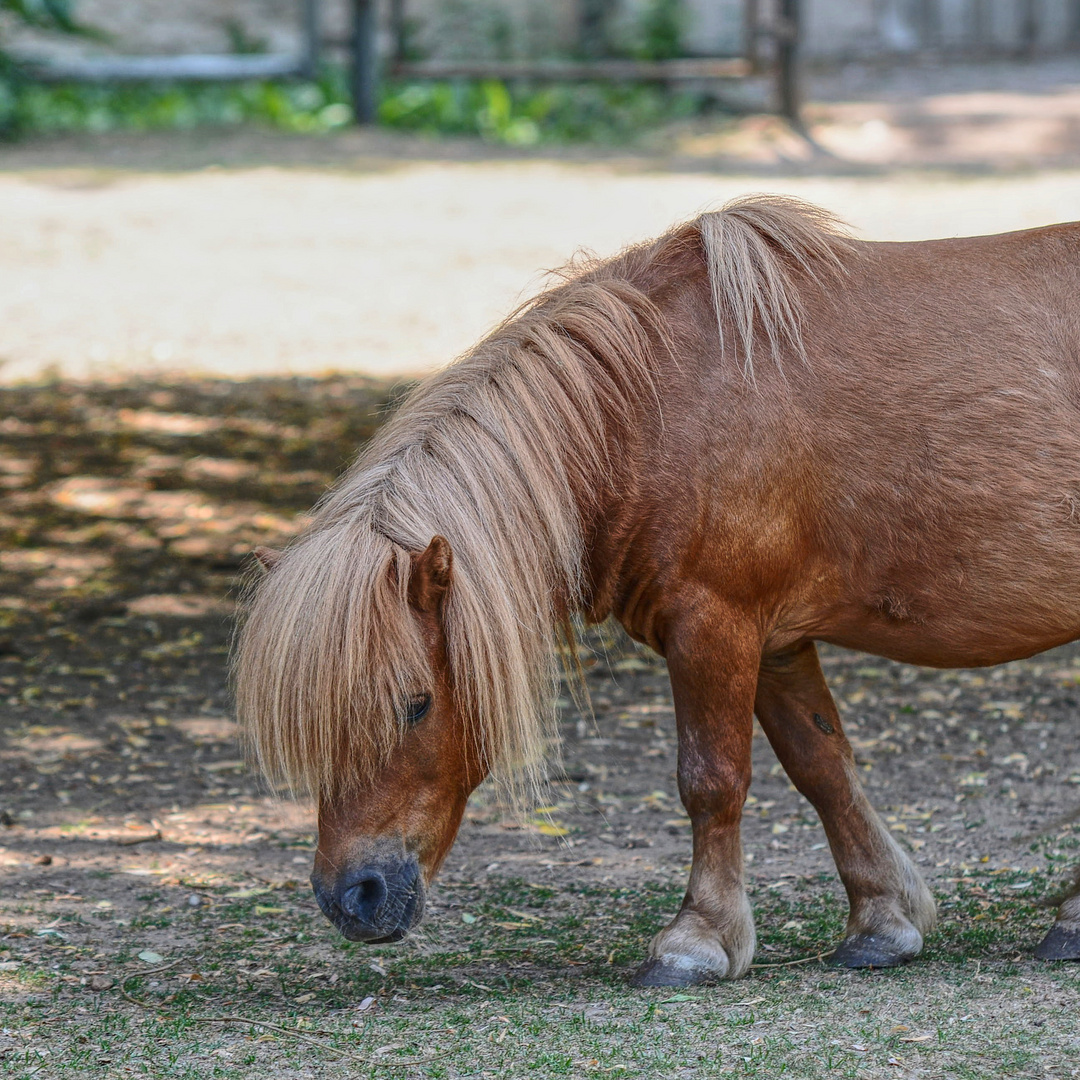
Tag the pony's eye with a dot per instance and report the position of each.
(416, 709)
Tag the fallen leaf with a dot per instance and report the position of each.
(550, 829)
(150, 957)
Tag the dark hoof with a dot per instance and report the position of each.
(867, 951)
(657, 973)
(1062, 942)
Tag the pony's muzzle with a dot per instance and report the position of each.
(377, 902)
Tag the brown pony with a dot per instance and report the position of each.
(747, 436)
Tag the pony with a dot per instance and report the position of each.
(747, 436)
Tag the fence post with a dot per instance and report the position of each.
(363, 75)
(928, 23)
(593, 16)
(979, 21)
(751, 30)
(311, 30)
(787, 62)
(398, 30)
(1029, 29)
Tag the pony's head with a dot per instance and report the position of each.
(382, 841)
(371, 721)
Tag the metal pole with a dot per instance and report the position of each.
(593, 18)
(751, 29)
(787, 62)
(980, 28)
(363, 76)
(1029, 28)
(398, 30)
(309, 18)
(928, 21)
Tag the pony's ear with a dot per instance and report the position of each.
(268, 557)
(429, 577)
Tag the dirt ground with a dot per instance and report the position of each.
(140, 857)
(154, 910)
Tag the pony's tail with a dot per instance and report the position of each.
(752, 245)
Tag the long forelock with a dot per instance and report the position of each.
(326, 659)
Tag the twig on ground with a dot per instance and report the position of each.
(792, 963)
(146, 838)
(158, 970)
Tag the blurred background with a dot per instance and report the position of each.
(294, 186)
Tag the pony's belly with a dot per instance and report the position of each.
(954, 642)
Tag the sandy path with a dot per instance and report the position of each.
(264, 270)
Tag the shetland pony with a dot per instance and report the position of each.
(750, 435)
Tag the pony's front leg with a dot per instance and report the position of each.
(890, 906)
(713, 675)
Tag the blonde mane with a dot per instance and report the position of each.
(503, 453)
(751, 246)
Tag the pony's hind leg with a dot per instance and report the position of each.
(890, 906)
(712, 678)
(1062, 941)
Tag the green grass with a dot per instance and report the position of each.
(512, 979)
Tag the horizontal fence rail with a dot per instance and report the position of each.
(665, 71)
(193, 67)
(190, 68)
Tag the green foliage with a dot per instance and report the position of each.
(526, 117)
(496, 111)
(43, 14)
(52, 15)
(241, 42)
(661, 28)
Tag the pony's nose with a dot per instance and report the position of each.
(375, 902)
(362, 899)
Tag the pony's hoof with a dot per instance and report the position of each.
(655, 972)
(1062, 942)
(868, 951)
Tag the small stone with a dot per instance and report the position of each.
(43, 860)
(194, 901)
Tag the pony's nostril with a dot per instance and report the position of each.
(365, 896)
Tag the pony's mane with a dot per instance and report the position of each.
(751, 247)
(501, 453)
